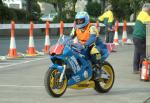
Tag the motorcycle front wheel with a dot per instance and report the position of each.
(103, 85)
(52, 84)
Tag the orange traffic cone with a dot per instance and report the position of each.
(97, 26)
(116, 41)
(31, 51)
(61, 27)
(12, 51)
(145, 70)
(110, 46)
(47, 39)
(75, 40)
(124, 35)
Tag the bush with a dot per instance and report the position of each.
(19, 16)
(93, 8)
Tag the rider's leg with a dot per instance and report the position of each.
(95, 55)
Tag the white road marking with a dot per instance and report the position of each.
(5, 63)
(23, 86)
(14, 64)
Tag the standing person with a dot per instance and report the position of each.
(139, 37)
(108, 19)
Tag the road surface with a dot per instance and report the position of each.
(22, 81)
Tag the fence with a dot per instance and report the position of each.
(10, 28)
(22, 29)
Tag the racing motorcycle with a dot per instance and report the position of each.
(71, 68)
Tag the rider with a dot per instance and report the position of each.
(87, 34)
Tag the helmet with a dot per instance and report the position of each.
(82, 19)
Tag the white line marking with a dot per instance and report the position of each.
(5, 63)
(23, 62)
(23, 86)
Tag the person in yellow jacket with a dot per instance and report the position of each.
(108, 19)
(88, 38)
(139, 37)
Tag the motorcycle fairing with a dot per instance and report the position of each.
(57, 49)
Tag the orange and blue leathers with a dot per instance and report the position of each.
(89, 37)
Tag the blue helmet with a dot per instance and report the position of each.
(82, 19)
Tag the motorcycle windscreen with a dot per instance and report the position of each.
(56, 49)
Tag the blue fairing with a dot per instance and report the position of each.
(76, 61)
(103, 49)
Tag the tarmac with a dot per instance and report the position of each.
(22, 81)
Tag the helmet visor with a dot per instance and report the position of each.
(80, 21)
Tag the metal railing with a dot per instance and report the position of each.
(52, 25)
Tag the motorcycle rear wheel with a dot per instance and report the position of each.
(103, 85)
(52, 84)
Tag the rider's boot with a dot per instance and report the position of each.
(97, 65)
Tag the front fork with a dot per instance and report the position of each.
(62, 74)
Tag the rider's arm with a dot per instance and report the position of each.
(93, 36)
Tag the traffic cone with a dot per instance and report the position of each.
(47, 39)
(116, 41)
(124, 35)
(13, 51)
(98, 27)
(61, 27)
(110, 46)
(145, 70)
(31, 51)
(75, 40)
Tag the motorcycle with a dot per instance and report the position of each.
(70, 68)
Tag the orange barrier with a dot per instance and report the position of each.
(116, 41)
(61, 27)
(31, 51)
(124, 35)
(12, 51)
(47, 39)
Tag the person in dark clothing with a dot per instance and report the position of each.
(139, 37)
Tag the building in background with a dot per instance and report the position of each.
(17, 4)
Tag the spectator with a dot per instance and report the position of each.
(139, 37)
(107, 18)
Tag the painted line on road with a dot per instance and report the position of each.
(5, 63)
(23, 86)
(14, 64)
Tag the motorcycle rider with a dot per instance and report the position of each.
(88, 36)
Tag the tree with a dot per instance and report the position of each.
(74, 4)
(121, 8)
(34, 9)
(58, 5)
(93, 8)
(1, 3)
